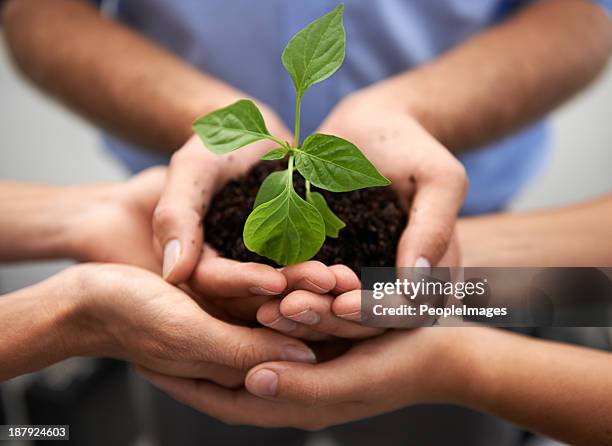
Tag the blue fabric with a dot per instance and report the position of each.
(240, 41)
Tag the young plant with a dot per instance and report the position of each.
(283, 226)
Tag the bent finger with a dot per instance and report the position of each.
(217, 277)
(311, 276)
(315, 311)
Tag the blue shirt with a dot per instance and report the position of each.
(240, 42)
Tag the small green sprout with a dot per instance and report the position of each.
(283, 226)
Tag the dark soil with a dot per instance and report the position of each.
(374, 221)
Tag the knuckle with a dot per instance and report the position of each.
(182, 156)
(244, 355)
(163, 215)
(166, 216)
(454, 173)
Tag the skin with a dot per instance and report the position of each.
(481, 370)
(132, 314)
(532, 238)
(150, 97)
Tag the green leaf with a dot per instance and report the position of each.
(333, 224)
(316, 52)
(337, 165)
(232, 127)
(275, 154)
(272, 187)
(287, 229)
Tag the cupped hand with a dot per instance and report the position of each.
(194, 176)
(139, 317)
(244, 290)
(429, 180)
(319, 314)
(114, 226)
(397, 369)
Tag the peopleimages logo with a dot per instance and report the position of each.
(501, 297)
(424, 288)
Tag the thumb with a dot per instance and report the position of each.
(177, 220)
(304, 384)
(433, 213)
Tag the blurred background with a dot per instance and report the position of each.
(42, 142)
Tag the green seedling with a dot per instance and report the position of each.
(283, 226)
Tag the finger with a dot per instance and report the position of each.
(216, 277)
(436, 203)
(315, 311)
(177, 220)
(270, 316)
(346, 279)
(312, 276)
(309, 385)
(242, 347)
(348, 306)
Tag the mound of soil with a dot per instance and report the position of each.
(374, 221)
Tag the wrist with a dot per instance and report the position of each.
(458, 369)
(494, 241)
(61, 300)
(84, 207)
(82, 329)
(474, 367)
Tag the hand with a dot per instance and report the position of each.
(135, 315)
(397, 369)
(318, 315)
(244, 290)
(194, 176)
(113, 224)
(426, 176)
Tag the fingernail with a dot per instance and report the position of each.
(172, 252)
(306, 317)
(355, 316)
(263, 383)
(282, 324)
(297, 354)
(259, 291)
(422, 262)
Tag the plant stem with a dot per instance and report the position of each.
(298, 111)
(290, 169)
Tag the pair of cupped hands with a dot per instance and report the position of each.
(253, 344)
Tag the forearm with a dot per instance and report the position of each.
(39, 327)
(509, 76)
(106, 72)
(40, 222)
(579, 235)
(555, 389)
